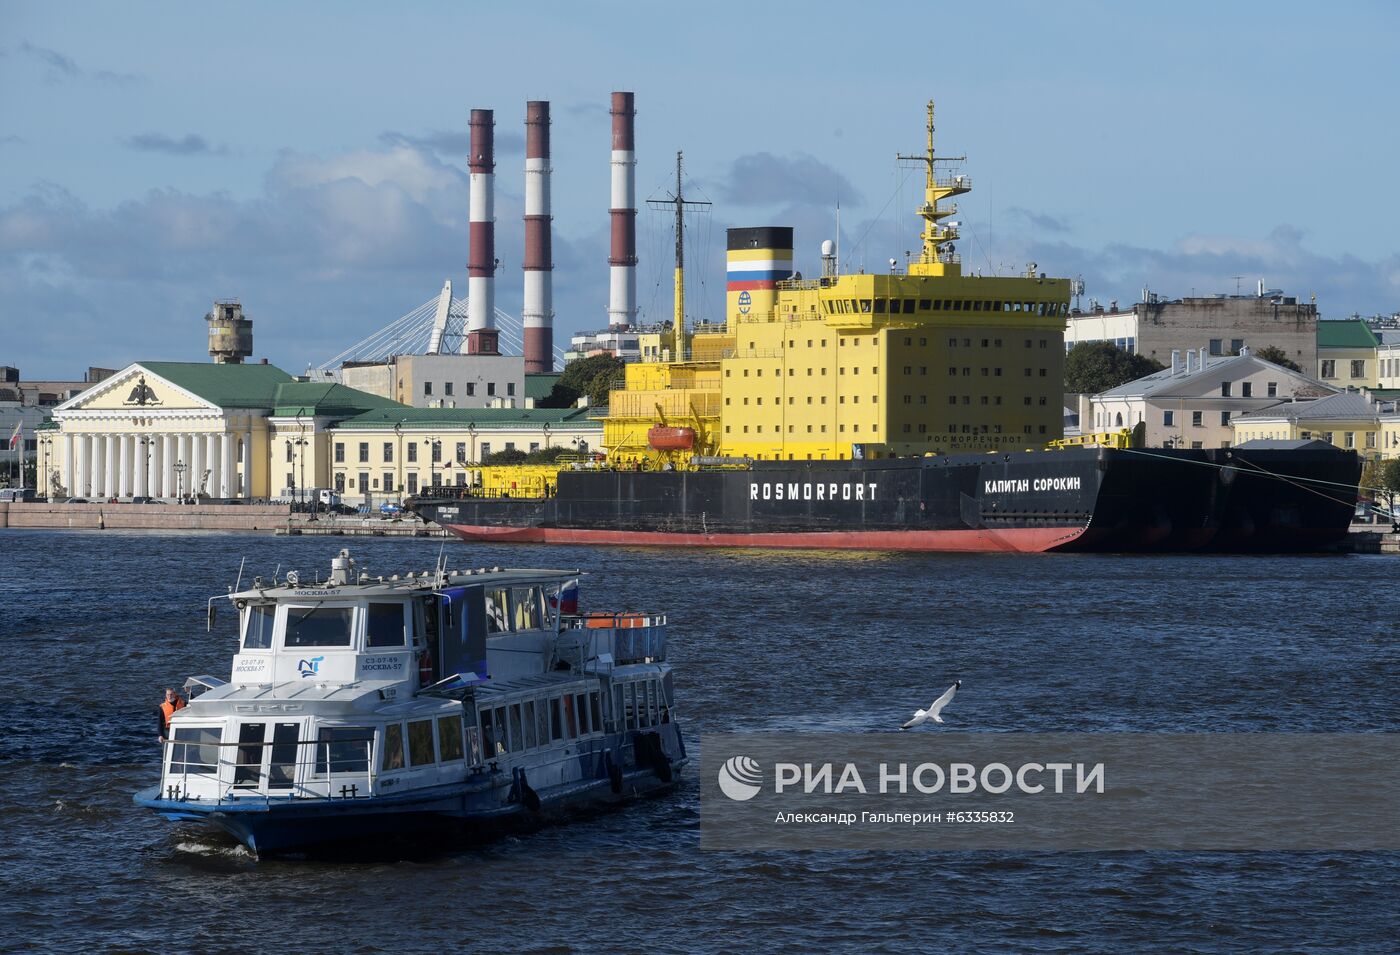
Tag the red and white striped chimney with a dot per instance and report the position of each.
(538, 312)
(481, 257)
(622, 261)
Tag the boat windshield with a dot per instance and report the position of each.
(317, 627)
(257, 635)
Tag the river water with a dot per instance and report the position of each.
(94, 624)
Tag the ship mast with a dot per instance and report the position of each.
(678, 200)
(938, 256)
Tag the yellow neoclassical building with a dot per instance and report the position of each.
(177, 430)
(181, 429)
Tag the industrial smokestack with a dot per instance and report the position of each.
(538, 313)
(481, 258)
(622, 302)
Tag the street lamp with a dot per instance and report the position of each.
(179, 470)
(434, 452)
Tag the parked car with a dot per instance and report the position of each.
(17, 494)
(144, 500)
(77, 500)
(391, 509)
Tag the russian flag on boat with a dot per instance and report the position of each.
(565, 600)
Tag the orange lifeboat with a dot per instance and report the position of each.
(662, 438)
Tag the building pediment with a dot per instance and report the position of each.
(137, 390)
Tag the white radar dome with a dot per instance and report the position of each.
(828, 247)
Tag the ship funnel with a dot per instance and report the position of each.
(622, 258)
(538, 312)
(481, 336)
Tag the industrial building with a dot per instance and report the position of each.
(1221, 324)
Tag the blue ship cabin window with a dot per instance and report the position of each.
(529, 613)
(195, 750)
(541, 722)
(257, 627)
(517, 737)
(497, 612)
(528, 724)
(420, 742)
(318, 626)
(580, 704)
(384, 625)
(450, 738)
(556, 720)
(595, 707)
(345, 749)
(392, 748)
(247, 770)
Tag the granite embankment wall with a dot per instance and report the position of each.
(204, 517)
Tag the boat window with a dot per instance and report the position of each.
(195, 750)
(619, 713)
(420, 742)
(450, 738)
(474, 744)
(542, 721)
(384, 625)
(257, 634)
(488, 732)
(502, 737)
(570, 718)
(497, 612)
(393, 748)
(527, 608)
(247, 769)
(345, 747)
(596, 708)
(517, 738)
(581, 711)
(653, 706)
(529, 725)
(556, 722)
(632, 707)
(317, 627)
(282, 761)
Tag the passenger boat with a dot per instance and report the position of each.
(360, 707)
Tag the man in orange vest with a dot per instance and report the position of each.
(173, 704)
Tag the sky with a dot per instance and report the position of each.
(310, 159)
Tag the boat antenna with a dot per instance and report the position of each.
(237, 583)
(679, 200)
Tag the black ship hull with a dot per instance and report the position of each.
(1267, 500)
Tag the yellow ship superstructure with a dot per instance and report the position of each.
(866, 365)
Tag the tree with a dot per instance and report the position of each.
(1278, 356)
(546, 455)
(506, 456)
(1092, 367)
(1370, 481)
(591, 376)
(1389, 483)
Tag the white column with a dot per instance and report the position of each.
(138, 468)
(69, 462)
(94, 485)
(211, 461)
(107, 476)
(155, 465)
(84, 466)
(167, 465)
(196, 463)
(248, 462)
(123, 487)
(228, 476)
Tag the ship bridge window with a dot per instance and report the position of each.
(497, 612)
(195, 749)
(909, 306)
(317, 627)
(393, 748)
(528, 612)
(420, 742)
(345, 747)
(865, 306)
(384, 625)
(257, 630)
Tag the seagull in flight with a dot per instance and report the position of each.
(934, 708)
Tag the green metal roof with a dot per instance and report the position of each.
(228, 386)
(1350, 333)
(326, 398)
(540, 384)
(462, 417)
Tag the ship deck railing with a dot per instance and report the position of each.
(626, 637)
(238, 778)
